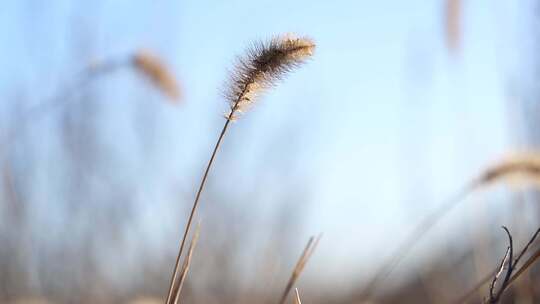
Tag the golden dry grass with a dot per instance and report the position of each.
(517, 170)
(299, 267)
(260, 69)
(157, 72)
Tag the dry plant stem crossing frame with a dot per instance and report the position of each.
(514, 276)
(297, 297)
(195, 205)
(506, 263)
(229, 118)
(299, 267)
(262, 68)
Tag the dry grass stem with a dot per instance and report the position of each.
(185, 266)
(512, 276)
(476, 287)
(521, 169)
(157, 72)
(525, 266)
(297, 297)
(263, 65)
(299, 267)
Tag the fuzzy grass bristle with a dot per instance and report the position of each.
(264, 64)
(157, 72)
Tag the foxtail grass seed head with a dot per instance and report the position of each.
(517, 170)
(264, 64)
(157, 72)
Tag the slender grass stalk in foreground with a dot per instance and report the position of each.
(464, 298)
(144, 63)
(506, 263)
(306, 254)
(523, 168)
(514, 276)
(185, 266)
(263, 66)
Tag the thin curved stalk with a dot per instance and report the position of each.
(185, 267)
(299, 267)
(174, 276)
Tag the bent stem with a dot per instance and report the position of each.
(197, 198)
(185, 267)
(297, 297)
(299, 267)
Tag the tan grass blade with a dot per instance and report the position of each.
(185, 266)
(300, 264)
(261, 67)
(531, 260)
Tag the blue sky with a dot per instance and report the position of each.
(387, 122)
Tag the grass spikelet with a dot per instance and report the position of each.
(264, 64)
(157, 72)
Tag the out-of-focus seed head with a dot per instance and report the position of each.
(264, 64)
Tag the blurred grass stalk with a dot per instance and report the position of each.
(517, 169)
